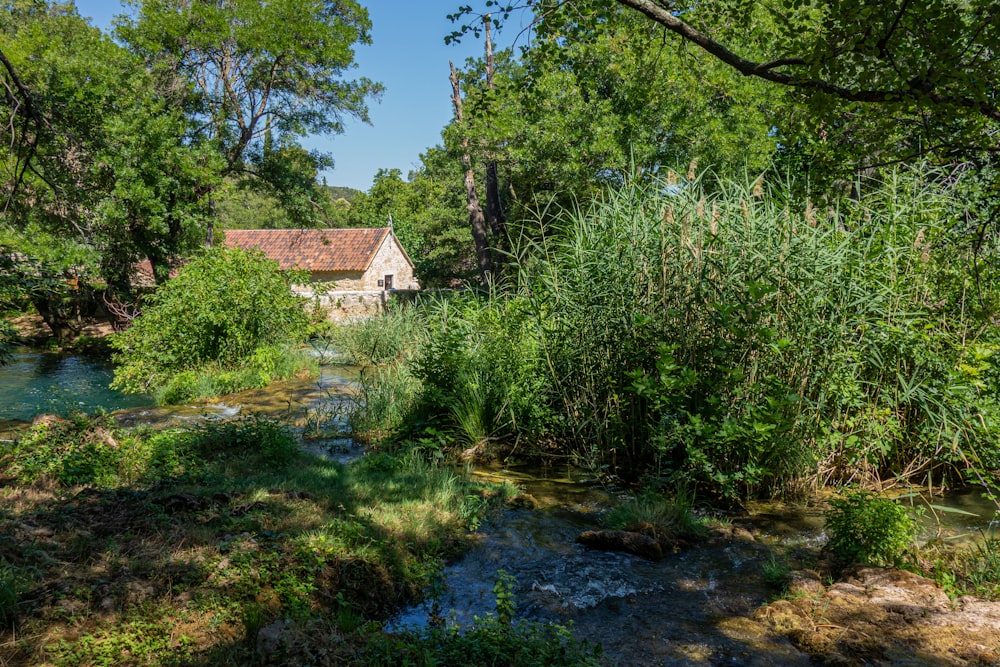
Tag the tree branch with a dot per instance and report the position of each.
(916, 93)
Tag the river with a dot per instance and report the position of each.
(694, 607)
(37, 382)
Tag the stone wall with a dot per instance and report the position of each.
(346, 305)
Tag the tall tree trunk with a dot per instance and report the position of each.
(477, 221)
(210, 230)
(494, 210)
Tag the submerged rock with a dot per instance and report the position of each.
(622, 540)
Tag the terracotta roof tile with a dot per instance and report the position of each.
(312, 249)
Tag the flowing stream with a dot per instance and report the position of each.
(691, 608)
(37, 383)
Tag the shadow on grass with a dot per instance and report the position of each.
(189, 569)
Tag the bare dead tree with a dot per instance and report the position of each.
(494, 209)
(477, 221)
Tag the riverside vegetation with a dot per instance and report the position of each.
(724, 341)
(726, 335)
(743, 349)
(707, 340)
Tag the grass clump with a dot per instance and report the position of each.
(971, 571)
(670, 514)
(264, 366)
(776, 573)
(9, 592)
(385, 339)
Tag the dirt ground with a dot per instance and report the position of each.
(885, 617)
(33, 328)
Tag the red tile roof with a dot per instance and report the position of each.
(312, 249)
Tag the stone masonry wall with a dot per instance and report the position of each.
(346, 305)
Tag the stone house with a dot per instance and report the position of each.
(361, 260)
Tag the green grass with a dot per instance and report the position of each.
(974, 570)
(177, 547)
(672, 514)
(266, 365)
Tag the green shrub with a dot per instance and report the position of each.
(78, 450)
(227, 308)
(8, 339)
(250, 437)
(181, 387)
(93, 450)
(869, 529)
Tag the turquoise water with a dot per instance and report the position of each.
(35, 383)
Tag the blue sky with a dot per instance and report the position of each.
(409, 57)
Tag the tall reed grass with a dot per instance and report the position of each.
(730, 336)
(751, 341)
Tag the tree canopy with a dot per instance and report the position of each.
(215, 96)
(873, 83)
(252, 90)
(85, 162)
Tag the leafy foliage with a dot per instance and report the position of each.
(872, 84)
(89, 450)
(869, 529)
(223, 308)
(428, 213)
(972, 571)
(255, 91)
(255, 437)
(115, 172)
(594, 101)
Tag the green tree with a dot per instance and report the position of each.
(50, 273)
(106, 170)
(428, 214)
(875, 83)
(592, 101)
(220, 308)
(258, 88)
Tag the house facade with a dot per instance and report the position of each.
(360, 260)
